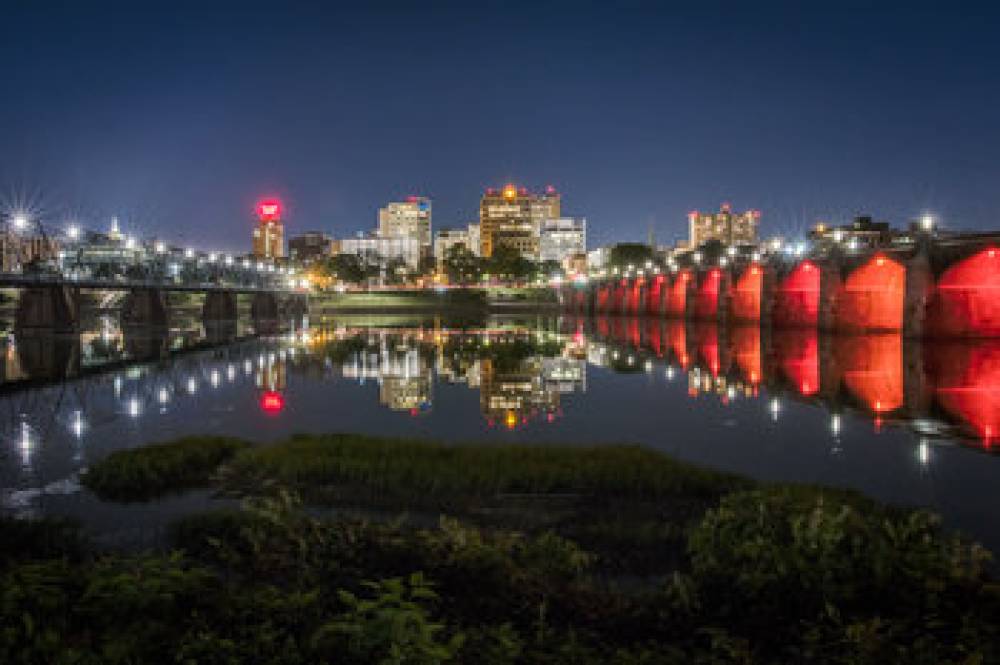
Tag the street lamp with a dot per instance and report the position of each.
(73, 232)
(927, 223)
(20, 221)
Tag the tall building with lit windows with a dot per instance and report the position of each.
(513, 217)
(407, 219)
(727, 227)
(269, 234)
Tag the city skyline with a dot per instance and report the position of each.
(178, 121)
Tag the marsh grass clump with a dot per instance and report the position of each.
(425, 469)
(152, 471)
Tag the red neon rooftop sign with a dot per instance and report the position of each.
(269, 210)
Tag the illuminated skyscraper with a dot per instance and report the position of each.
(269, 234)
(727, 227)
(513, 217)
(407, 219)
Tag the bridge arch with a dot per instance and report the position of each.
(797, 297)
(872, 296)
(966, 299)
(746, 296)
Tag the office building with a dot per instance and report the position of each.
(375, 249)
(310, 246)
(513, 217)
(269, 234)
(561, 238)
(407, 219)
(725, 226)
(475, 245)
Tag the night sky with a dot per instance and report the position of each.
(178, 117)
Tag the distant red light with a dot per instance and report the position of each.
(272, 402)
(269, 210)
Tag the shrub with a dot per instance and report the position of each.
(392, 625)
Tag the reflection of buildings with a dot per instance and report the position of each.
(403, 374)
(514, 396)
(272, 373)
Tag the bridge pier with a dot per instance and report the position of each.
(146, 307)
(295, 307)
(49, 354)
(53, 308)
(264, 307)
(219, 306)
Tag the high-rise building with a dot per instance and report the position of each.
(727, 227)
(310, 246)
(512, 217)
(407, 219)
(269, 234)
(475, 246)
(561, 238)
(378, 250)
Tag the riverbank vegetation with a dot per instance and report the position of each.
(151, 471)
(356, 549)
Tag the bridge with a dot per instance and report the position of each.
(932, 288)
(51, 276)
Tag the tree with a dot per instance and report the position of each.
(345, 267)
(507, 263)
(625, 254)
(461, 265)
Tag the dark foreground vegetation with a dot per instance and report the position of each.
(361, 550)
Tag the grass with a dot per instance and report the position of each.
(155, 470)
(422, 468)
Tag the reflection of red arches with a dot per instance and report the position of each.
(872, 296)
(634, 333)
(603, 327)
(706, 303)
(707, 335)
(677, 334)
(746, 294)
(653, 336)
(797, 352)
(746, 349)
(966, 380)
(966, 300)
(872, 367)
(677, 295)
(797, 297)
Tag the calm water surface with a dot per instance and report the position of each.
(907, 423)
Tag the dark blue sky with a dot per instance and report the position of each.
(177, 117)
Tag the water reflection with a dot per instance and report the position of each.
(724, 396)
(940, 389)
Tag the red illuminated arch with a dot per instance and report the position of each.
(677, 295)
(966, 300)
(872, 296)
(706, 303)
(797, 297)
(747, 294)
